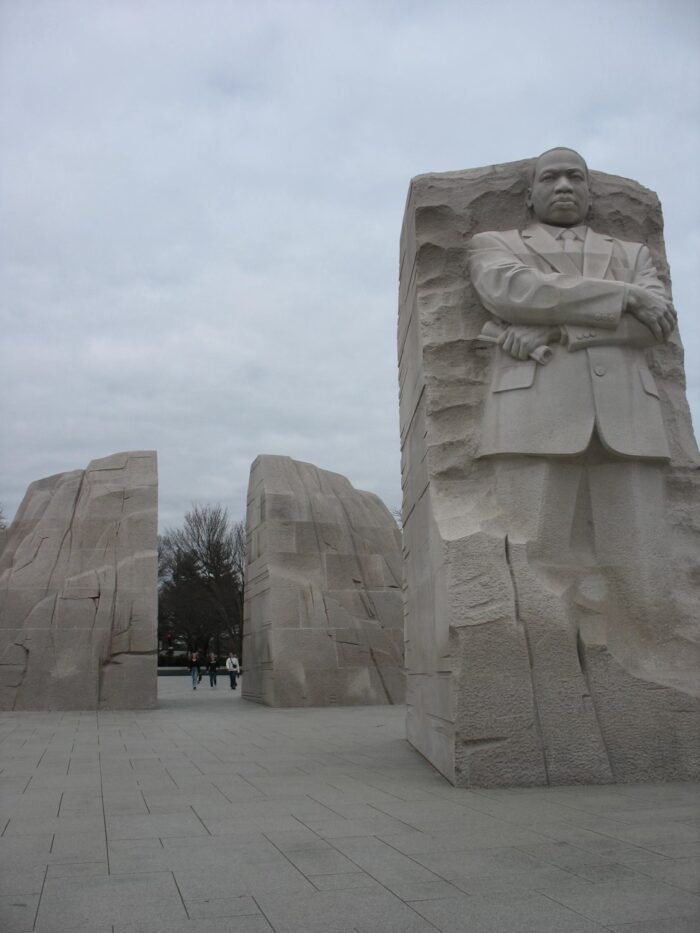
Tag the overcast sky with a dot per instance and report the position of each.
(201, 203)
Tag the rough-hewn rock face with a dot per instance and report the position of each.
(515, 676)
(323, 606)
(78, 590)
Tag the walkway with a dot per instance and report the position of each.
(213, 815)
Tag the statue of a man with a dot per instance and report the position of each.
(598, 300)
(579, 440)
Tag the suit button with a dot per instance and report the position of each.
(599, 316)
(599, 370)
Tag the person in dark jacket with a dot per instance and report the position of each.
(211, 668)
(194, 669)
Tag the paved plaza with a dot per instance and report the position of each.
(214, 815)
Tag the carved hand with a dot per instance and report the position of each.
(655, 311)
(520, 340)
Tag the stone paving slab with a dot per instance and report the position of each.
(213, 814)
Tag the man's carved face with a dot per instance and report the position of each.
(559, 194)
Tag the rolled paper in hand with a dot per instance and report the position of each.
(491, 333)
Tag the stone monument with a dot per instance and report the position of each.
(78, 590)
(323, 616)
(550, 476)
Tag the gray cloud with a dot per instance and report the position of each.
(203, 201)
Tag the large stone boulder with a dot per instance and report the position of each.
(78, 590)
(516, 675)
(323, 618)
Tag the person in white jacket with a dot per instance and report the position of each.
(233, 668)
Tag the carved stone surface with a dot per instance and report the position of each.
(526, 667)
(323, 618)
(78, 590)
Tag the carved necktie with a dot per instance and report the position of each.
(572, 248)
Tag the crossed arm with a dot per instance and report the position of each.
(551, 307)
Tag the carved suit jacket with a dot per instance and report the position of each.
(598, 377)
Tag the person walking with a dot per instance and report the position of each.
(194, 669)
(233, 668)
(212, 669)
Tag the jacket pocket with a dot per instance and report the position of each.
(648, 383)
(518, 376)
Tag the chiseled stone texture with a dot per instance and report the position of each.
(78, 590)
(510, 680)
(323, 619)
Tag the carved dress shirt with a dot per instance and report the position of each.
(577, 235)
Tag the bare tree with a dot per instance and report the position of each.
(201, 567)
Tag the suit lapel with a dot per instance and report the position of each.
(597, 251)
(542, 243)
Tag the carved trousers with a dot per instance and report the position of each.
(594, 528)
